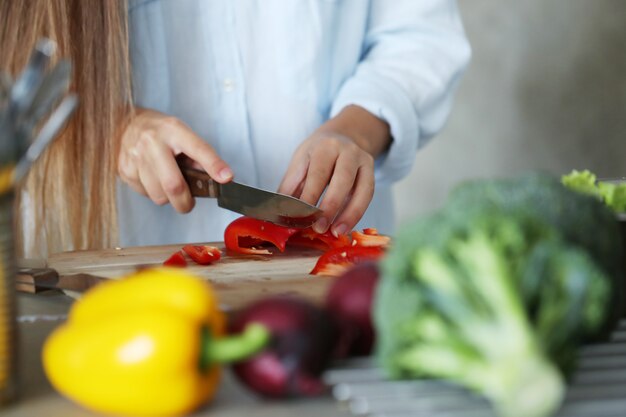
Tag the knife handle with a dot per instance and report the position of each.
(34, 280)
(200, 183)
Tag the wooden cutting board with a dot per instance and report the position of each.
(237, 279)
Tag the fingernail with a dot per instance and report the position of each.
(321, 225)
(339, 230)
(225, 174)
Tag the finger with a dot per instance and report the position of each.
(152, 186)
(339, 188)
(356, 206)
(147, 177)
(127, 171)
(182, 139)
(293, 181)
(126, 168)
(318, 175)
(137, 187)
(298, 191)
(170, 178)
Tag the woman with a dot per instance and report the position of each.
(295, 96)
(318, 99)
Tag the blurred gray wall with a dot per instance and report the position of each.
(546, 90)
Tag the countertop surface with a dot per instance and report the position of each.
(38, 314)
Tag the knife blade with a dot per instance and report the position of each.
(254, 202)
(34, 280)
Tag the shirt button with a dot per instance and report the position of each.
(228, 84)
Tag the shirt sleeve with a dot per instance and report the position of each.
(414, 54)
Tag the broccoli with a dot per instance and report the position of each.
(497, 290)
(580, 219)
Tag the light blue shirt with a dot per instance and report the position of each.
(255, 77)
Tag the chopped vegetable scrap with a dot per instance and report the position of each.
(203, 254)
(249, 236)
(321, 241)
(245, 235)
(200, 254)
(336, 261)
(177, 259)
(371, 238)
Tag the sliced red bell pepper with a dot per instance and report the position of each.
(203, 254)
(177, 259)
(244, 234)
(335, 261)
(311, 239)
(370, 238)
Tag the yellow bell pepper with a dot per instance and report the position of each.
(146, 345)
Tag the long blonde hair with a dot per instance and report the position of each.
(71, 190)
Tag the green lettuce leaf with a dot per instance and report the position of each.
(612, 194)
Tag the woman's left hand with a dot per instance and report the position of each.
(337, 160)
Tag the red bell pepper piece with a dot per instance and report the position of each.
(244, 234)
(203, 254)
(324, 241)
(335, 261)
(369, 237)
(177, 259)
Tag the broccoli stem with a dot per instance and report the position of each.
(477, 332)
(529, 387)
(521, 383)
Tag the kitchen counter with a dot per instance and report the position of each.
(40, 313)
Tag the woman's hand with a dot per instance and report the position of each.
(338, 158)
(147, 159)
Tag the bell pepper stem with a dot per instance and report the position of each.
(235, 347)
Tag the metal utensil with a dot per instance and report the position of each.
(54, 85)
(52, 88)
(5, 89)
(26, 85)
(277, 208)
(48, 132)
(20, 97)
(7, 153)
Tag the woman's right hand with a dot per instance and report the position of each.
(147, 160)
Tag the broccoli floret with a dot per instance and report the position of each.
(581, 220)
(568, 293)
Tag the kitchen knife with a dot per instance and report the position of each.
(34, 280)
(277, 208)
